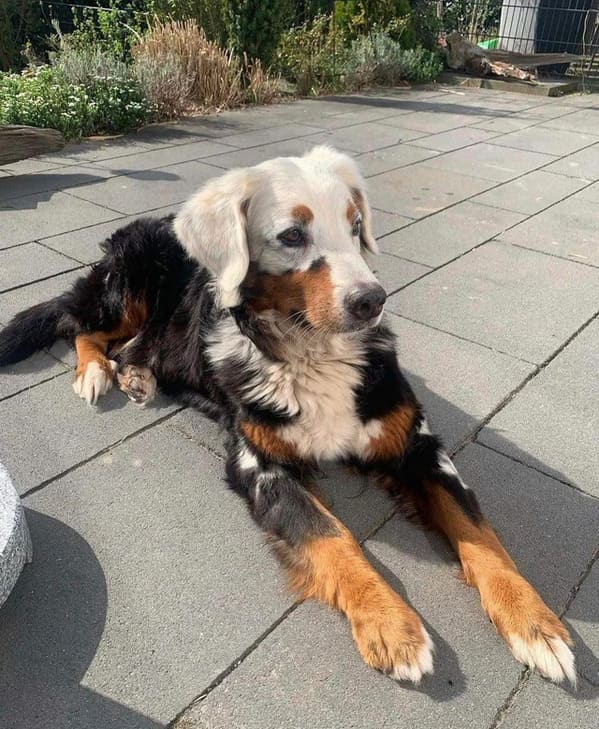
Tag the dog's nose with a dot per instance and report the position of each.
(366, 302)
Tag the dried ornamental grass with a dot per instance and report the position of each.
(213, 74)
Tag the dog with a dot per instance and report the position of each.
(255, 304)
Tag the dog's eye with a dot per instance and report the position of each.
(356, 227)
(292, 237)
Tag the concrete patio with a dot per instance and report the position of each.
(152, 598)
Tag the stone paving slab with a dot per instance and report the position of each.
(548, 140)
(383, 160)
(137, 592)
(549, 529)
(32, 421)
(583, 620)
(15, 301)
(166, 156)
(47, 213)
(383, 223)
(423, 191)
(255, 155)
(567, 229)
(451, 377)
(361, 138)
(30, 262)
(394, 272)
(23, 375)
(449, 233)
(554, 422)
(108, 592)
(583, 164)
(308, 672)
(84, 244)
(60, 177)
(165, 186)
(454, 139)
(478, 294)
(585, 121)
(539, 700)
(531, 193)
(490, 162)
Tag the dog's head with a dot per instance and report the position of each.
(287, 237)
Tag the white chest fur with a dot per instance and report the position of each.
(316, 383)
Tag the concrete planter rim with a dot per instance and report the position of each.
(15, 542)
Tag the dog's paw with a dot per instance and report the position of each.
(94, 380)
(536, 636)
(392, 639)
(138, 383)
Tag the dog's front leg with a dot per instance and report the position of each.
(425, 474)
(324, 561)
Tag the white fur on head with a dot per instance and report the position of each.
(212, 227)
(347, 170)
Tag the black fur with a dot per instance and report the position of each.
(144, 261)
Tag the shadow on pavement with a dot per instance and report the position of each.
(52, 623)
(50, 628)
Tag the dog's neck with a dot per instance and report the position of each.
(280, 338)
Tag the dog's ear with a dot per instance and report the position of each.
(212, 227)
(346, 168)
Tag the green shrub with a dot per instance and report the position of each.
(377, 59)
(359, 17)
(312, 55)
(255, 26)
(44, 98)
(210, 15)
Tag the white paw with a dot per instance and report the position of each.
(550, 656)
(420, 665)
(93, 383)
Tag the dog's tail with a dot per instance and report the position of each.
(32, 330)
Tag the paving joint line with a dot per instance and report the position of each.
(4, 398)
(472, 436)
(497, 236)
(553, 255)
(43, 278)
(179, 431)
(463, 339)
(503, 710)
(47, 482)
(532, 467)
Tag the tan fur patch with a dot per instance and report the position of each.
(266, 440)
(511, 602)
(303, 214)
(334, 570)
(396, 427)
(351, 212)
(310, 292)
(92, 346)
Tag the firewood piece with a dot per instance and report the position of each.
(462, 55)
(507, 69)
(19, 142)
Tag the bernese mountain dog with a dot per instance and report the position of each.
(255, 304)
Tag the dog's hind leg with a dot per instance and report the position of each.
(323, 561)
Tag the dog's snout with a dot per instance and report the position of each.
(366, 302)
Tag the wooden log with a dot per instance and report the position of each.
(463, 55)
(18, 142)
